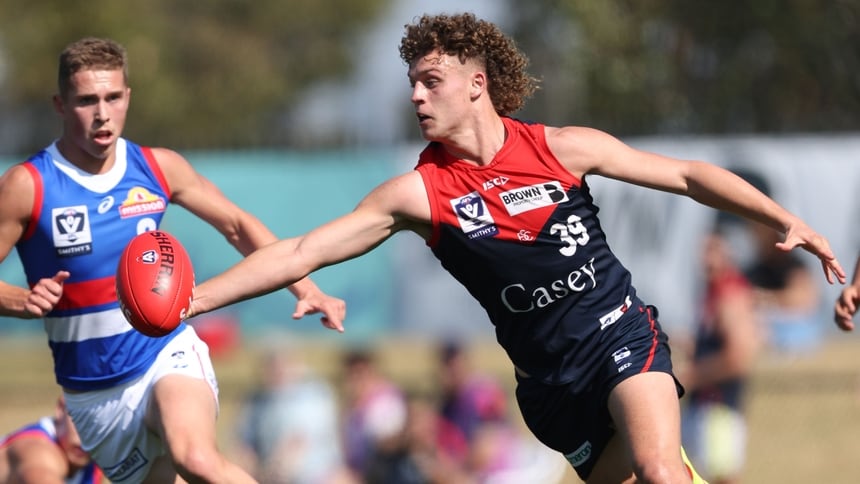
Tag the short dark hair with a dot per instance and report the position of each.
(90, 53)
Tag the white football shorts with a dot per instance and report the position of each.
(111, 421)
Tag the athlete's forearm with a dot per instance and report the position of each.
(266, 270)
(13, 300)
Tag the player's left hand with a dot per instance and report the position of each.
(332, 308)
(801, 235)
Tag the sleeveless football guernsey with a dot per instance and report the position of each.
(522, 235)
(81, 223)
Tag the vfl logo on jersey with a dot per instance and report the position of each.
(141, 201)
(71, 231)
(474, 218)
(534, 196)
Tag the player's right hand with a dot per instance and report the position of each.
(44, 295)
(846, 307)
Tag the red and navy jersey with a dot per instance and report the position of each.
(45, 429)
(81, 223)
(522, 235)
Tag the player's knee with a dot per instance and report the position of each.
(198, 465)
(657, 471)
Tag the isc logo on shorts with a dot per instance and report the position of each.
(580, 455)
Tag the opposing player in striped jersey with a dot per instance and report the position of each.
(505, 206)
(145, 407)
(47, 451)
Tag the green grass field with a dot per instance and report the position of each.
(804, 413)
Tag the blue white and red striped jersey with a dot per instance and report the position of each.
(81, 223)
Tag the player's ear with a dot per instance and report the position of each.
(478, 84)
(58, 104)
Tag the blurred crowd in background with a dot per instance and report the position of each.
(366, 427)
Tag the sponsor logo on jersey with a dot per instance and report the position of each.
(519, 298)
(71, 231)
(127, 467)
(141, 201)
(532, 197)
(580, 455)
(106, 204)
(498, 181)
(475, 220)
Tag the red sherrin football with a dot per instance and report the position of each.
(154, 281)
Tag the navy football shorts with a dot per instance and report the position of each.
(579, 425)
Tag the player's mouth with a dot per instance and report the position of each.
(422, 118)
(103, 136)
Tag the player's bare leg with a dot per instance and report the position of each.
(183, 411)
(613, 466)
(647, 413)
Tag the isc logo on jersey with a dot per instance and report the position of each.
(532, 197)
(474, 218)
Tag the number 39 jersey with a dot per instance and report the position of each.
(522, 235)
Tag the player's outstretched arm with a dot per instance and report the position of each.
(391, 207)
(243, 230)
(585, 151)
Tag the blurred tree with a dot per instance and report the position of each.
(218, 73)
(225, 73)
(668, 66)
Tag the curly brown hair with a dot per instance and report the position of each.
(90, 53)
(467, 37)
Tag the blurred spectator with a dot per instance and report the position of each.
(47, 451)
(374, 411)
(468, 399)
(477, 404)
(289, 426)
(727, 339)
(429, 449)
